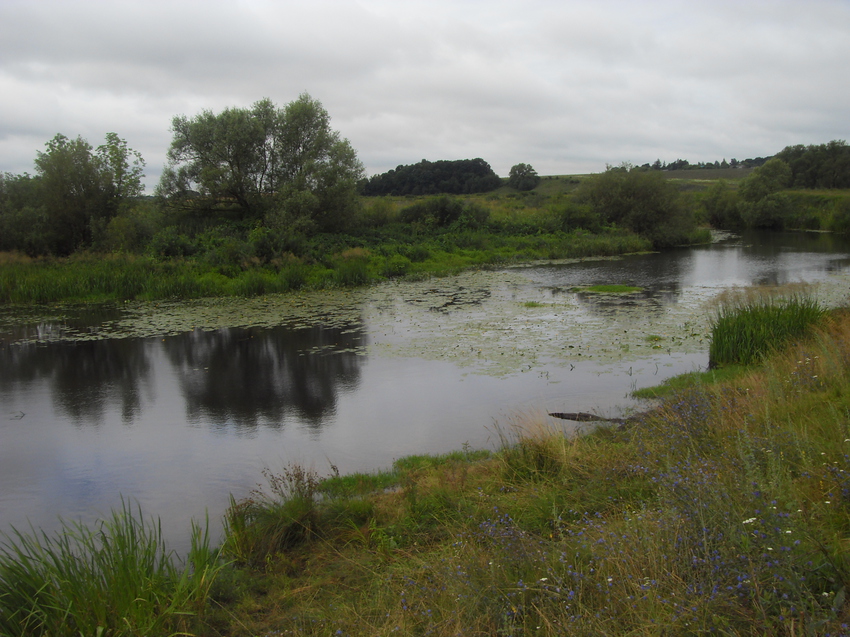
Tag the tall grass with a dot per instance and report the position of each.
(117, 578)
(743, 333)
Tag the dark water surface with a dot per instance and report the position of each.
(180, 420)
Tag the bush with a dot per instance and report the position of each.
(574, 216)
(840, 221)
(721, 206)
(641, 201)
(170, 243)
(772, 211)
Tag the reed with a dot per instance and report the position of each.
(117, 578)
(745, 333)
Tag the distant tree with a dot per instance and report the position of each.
(762, 204)
(462, 176)
(818, 166)
(523, 177)
(642, 201)
(284, 165)
(679, 164)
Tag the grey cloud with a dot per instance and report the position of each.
(566, 86)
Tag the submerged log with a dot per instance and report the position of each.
(581, 416)
(578, 416)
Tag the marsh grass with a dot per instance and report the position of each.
(723, 511)
(398, 252)
(117, 578)
(744, 333)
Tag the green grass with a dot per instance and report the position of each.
(691, 381)
(745, 333)
(115, 579)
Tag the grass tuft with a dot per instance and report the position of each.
(744, 333)
(116, 579)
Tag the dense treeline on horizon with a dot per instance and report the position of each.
(454, 177)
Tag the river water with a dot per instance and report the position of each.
(176, 406)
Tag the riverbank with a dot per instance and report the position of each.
(722, 511)
(98, 278)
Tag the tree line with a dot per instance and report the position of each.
(253, 183)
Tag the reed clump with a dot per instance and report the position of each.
(745, 331)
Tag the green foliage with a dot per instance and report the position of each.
(463, 176)
(840, 221)
(444, 211)
(745, 334)
(642, 201)
(116, 579)
(818, 166)
(575, 216)
(721, 206)
(285, 165)
(771, 211)
(71, 201)
(523, 177)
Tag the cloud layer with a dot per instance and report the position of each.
(565, 86)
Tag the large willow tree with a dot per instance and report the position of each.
(283, 165)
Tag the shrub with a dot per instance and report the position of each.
(641, 201)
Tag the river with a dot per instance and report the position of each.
(176, 406)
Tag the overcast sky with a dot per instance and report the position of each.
(565, 86)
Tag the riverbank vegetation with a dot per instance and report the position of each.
(269, 199)
(721, 510)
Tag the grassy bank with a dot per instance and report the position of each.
(334, 261)
(725, 510)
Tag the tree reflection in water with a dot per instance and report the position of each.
(85, 377)
(249, 377)
(235, 376)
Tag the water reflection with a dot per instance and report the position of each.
(85, 377)
(240, 377)
(755, 258)
(249, 377)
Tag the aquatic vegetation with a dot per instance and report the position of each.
(745, 333)
(613, 288)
